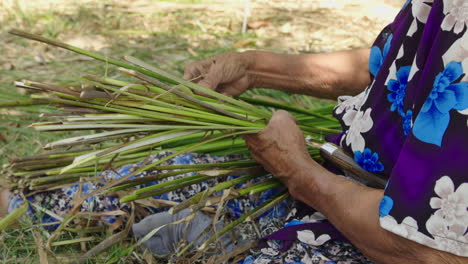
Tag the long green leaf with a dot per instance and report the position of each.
(139, 143)
(13, 216)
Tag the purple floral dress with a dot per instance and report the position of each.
(410, 125)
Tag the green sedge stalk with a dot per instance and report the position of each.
(181, 184)
(186, 96)
(18, 103)
(286, 107)
(192, 147)
(161, 94)
(236, 164)
(161, 115)
(146, 69)
(72, 241)
(93, 55)
(202, 195)
(261, 187)
(126, 110)
(196, 87)
(147, 179)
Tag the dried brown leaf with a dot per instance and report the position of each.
(40, 247)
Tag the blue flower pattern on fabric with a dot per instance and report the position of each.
(15, 202)
(236, 207)
(71, 190)
(183, 159)
(368, 160)
(377, 56)
(398, 89)
(127, 169)
(407, 122)
(433, 119)
(46, 219)
(294, 222)
(247, 260)
(386, 205)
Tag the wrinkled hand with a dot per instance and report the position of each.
(280, 147)
(225, 73)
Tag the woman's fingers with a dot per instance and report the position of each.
(196, 70)
(234, 88)
(190, 72)
(282, 117)
(225, 73)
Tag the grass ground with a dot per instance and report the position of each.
(167, 33)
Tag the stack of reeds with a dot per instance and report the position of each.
(125, 122)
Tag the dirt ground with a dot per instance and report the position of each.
(177, 31)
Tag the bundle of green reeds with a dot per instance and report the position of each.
(159, 111)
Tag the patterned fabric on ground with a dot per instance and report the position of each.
(306, 248)
(60, 202)
(288, 213)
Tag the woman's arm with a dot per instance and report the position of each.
(350, 207)
(353, 210)
(326, 75)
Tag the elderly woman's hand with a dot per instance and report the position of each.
(226, 73)
(280, 147)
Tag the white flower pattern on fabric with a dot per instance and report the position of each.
(308, 237)
(314, 218)
(447, 225)
(393, 69)
(420, 10)
(408, 227)
(464, 112)
(447, 237)
(451, 204)
(347, 103)
(269, 251)
(414, 70)
(456, 15)
(359, 122)
(459, 52)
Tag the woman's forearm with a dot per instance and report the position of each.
(353, 209)
(325, 75)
